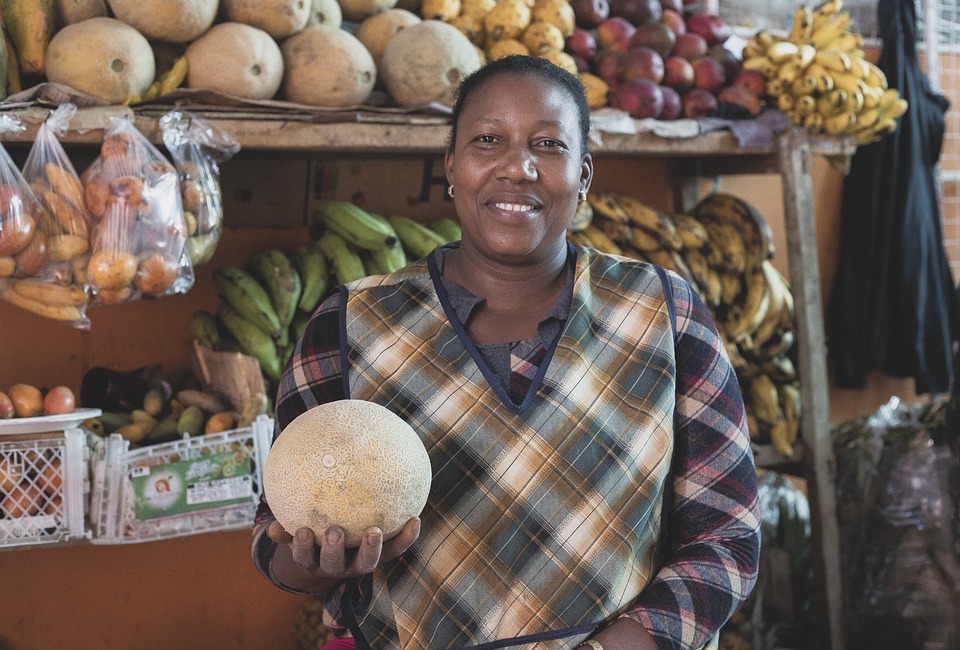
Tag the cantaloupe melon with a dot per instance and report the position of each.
(357, 10)
(327, 66)
(102, 56)
(325, 12)
(173, 21)
(73, 11)
(279, 18)
(236, 59)
(349, 463)
(426, 62)
(377, 30)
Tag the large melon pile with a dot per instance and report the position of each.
(350, 463)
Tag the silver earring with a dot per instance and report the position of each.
(582, 197)
(450, 191)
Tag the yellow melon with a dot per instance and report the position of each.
(236, 59)
(327, 66)
(325, 12)
(279, 18)
(102, 56)
(426, 62)
(377, 30)
(349, 463)
(73, 11)
(173, 21)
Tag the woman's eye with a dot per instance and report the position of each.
(551, 144)
(486, 139)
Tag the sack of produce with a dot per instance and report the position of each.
(55, 282)
(138, 241)
(198, 148)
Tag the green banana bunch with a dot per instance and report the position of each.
(389, 258)
(359, 227)
(244, 294)
(253, 340)
(447, 227)
(204, 329)
(418, 240)
(314, 271)
(347, 265)
(278, 275)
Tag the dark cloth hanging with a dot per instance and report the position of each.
(894, 305)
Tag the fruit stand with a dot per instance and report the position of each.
(306, 143)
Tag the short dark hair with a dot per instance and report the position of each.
(520, 64)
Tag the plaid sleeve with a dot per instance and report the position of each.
(313, 376)
(714, 525)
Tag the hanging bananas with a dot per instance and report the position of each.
(817, 75)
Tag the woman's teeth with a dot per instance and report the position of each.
(514, 207)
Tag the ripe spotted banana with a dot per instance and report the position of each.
(253, 340)
(278, 275)
(765, 401)
(66, 313)
(792, 410)
(692, 233)
(654, 221)
(802, 25)
(753, 307)
(601, 241)
(314, 271)
(605, 203)
(248, 297)
(726, 208)
(359, 227)
(50, 293)
(417, 239)
(829, 29)
(346, 263)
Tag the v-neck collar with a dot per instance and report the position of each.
(459, 327)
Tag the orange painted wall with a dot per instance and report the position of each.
(201, 591)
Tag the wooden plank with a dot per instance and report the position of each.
(795, 156)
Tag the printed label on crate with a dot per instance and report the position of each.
(190, 485)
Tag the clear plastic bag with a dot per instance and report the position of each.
(197, 149)
(897, 509)
(61, 280)
(139, 233)
(25, 243)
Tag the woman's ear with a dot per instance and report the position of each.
(448, 166)
(586, 172)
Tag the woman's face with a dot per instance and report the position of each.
(516, 168)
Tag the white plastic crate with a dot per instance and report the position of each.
(194, 485)
(43, 488)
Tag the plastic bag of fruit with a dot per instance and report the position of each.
(138, 240)
(25, 242)
(56, 278)
(198, 148)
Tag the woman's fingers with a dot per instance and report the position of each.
(303, 549)
(403, 540)
(276, 532)
(368, 555)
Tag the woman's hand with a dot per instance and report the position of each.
(304, 562)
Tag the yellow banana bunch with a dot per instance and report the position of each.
(807, 69)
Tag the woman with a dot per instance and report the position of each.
(577, 408)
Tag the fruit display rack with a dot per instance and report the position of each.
(709, 155)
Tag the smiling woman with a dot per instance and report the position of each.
(593, 481)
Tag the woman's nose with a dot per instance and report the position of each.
(520, 164)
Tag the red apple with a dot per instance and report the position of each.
(674, 20)
(713, 28)
(672, 5)
(638, 12)
(582, 64)
(641, 63)
(582, 43)
(690, 46)
(730, 63)
(590, 13)
(699, 103)
(656, 36)
(752, 80)
(708, 74)
(742, 97)
(678, 74)
(606, 64)
(672, 104)
(615, 33)
(641, 98)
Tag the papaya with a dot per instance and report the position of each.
(31, 24)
